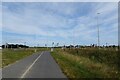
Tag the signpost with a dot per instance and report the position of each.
(52, 46)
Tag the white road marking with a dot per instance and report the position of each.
(23, 75)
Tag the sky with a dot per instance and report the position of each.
(40, 23)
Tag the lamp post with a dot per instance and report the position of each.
(98, 30)
(35, 43)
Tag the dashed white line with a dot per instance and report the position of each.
(23, 75)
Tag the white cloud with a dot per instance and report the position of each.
(60, 0)
(0, 23)
(54, 20)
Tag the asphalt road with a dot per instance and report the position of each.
(40, 65)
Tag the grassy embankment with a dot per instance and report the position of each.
(12, 55)
(88, 63)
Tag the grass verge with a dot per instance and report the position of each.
(12, 55)
(75, 66)
(0, 58)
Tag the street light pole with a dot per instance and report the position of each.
(35, 43)
(73, 38)
(98, 31)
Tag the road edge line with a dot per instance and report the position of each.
(23, 75)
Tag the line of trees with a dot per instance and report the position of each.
(14, 46)
(92, 45)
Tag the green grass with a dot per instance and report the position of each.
(108, 56)
(76, 65)
(10, 56)
(0, 58)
